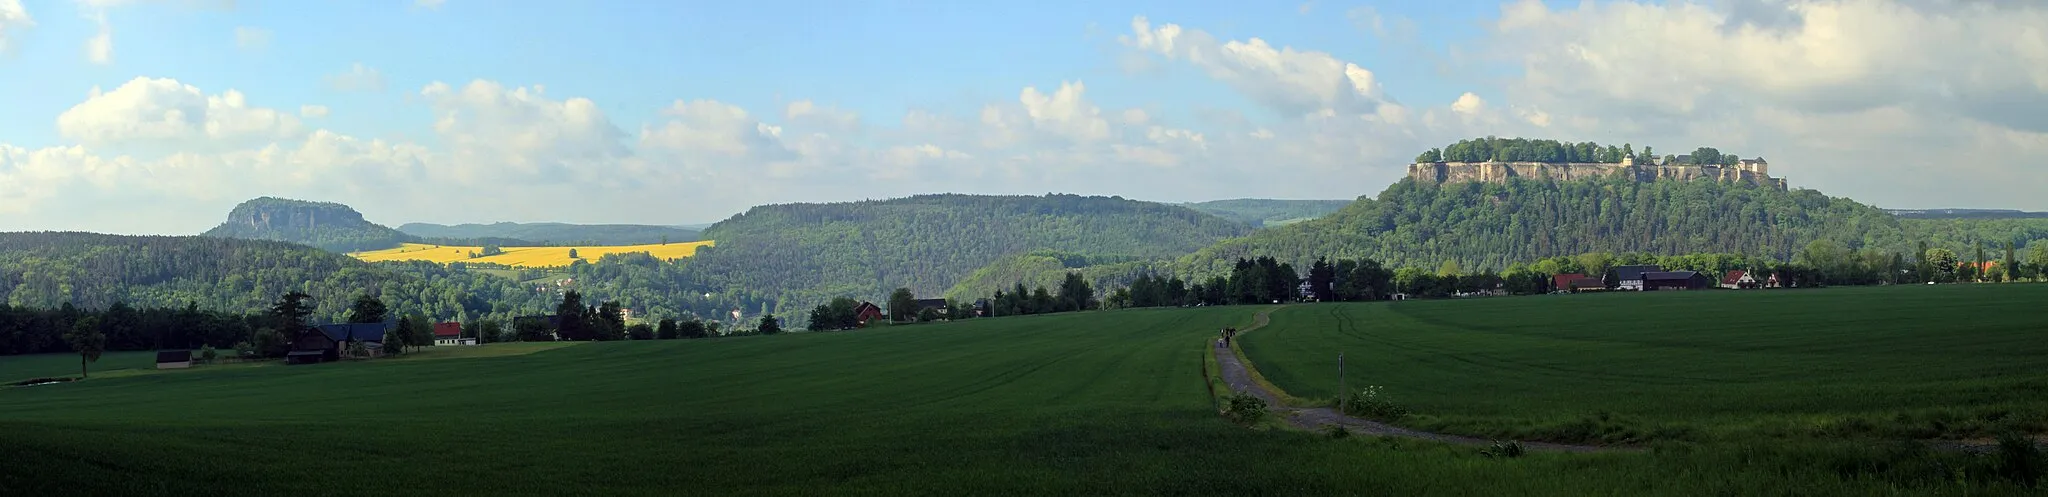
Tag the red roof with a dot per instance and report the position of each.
(1564, 281)
(447, 330)
(1733, 277)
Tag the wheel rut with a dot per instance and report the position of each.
(1238, 376)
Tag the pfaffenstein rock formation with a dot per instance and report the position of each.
(1750, 171)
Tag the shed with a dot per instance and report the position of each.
(1676, 280)
(867, 312)
(173, 359)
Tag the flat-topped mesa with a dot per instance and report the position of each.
(1751, 171)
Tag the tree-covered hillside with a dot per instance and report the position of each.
(94, 271)
(1048, 269)
(554, 233)
(812, 252)
(327, 225)
(1495, 224)
(1269, 212)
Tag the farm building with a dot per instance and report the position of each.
(1739, 280)
(173, 359)
(1675, 280)
(867, 312)
(935, 305)
(330, 342)
(1631, 277)
(1575, 282)
(981, 308)
(448, 334)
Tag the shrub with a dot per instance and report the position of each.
(1336, 432)
(2020, 461)
(1504, 449)
(1371, 403)
(206, 354)
(1245, 408)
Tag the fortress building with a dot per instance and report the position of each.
(1751, 171)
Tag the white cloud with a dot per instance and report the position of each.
(713, 128)
(493, 130)
(825, 117)
(1295, 82)
(358, 77)
(13, 18)
(248, 38)
(100, 48)
(164, 112)
(1468, 104)
(312, 111)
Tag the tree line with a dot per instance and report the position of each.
(1490, 149)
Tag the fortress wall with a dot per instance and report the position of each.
(1452, 172)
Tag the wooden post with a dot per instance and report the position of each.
(1340, 382)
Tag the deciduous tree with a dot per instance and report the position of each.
(85, 338)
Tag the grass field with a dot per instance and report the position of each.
(15, 368)
(526, 256)
(1100, 403)
(1957, 361)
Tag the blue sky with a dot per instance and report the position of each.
(786, 101)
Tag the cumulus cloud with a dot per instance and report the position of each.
(358, 77)
(100, 47)
(312, 111)
(163, 111)
(1294, 82)
(494, 129)
(13, 18)
(825, 117)
(248, 38)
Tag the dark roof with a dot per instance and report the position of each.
(867, 307)
(366, 332)
(1670, 275)
(163, 356)
(1733, 277)
(305, 353)
(931, 303)
(1625, 273)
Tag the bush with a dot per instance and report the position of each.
(1370, 403)
(1336, 432)
(206, 354)
(1507, 449)
(2020, 461)
(1245, 408)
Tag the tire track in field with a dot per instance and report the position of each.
(1238, 376)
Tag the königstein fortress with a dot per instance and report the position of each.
(1752, 171)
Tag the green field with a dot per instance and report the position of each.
(1077, 404)
(1904, 362)
(15, 368)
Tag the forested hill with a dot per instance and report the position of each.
(326, 225)
(555, 233)
(1269, 212)
(93, 271)
(1494, 225)
(812, 252)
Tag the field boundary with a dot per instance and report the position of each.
(1240, 376)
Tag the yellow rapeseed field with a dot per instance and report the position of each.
(526, 256)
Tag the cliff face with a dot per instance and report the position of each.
(1453, 172)
(326, 225)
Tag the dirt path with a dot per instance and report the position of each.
(1239, 378)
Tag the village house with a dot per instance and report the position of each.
(449, 334)
(1676, 280)
(330, 342)
(867, 312)
(937, 306)
(1575, 282)
(1738, 280)
(1631, 277)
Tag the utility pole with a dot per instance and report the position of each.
(1340, 382)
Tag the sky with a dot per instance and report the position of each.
(158, 116)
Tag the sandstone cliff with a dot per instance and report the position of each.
(1752, 172)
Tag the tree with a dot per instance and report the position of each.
(572, 254)
(2037, 258)
(609, 321)
(902, 305)
(1977, 263)
(85, 338)
(532, 330)
(927, 315)
(1944, 262)
(769, 325)
(490, 331)
(692, 328)
(1923, 270)
(289, 313)
(2012, 262)
(1075, 293)
(574, 318)
(1321, 279)
(666, 329)
(640, 331)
